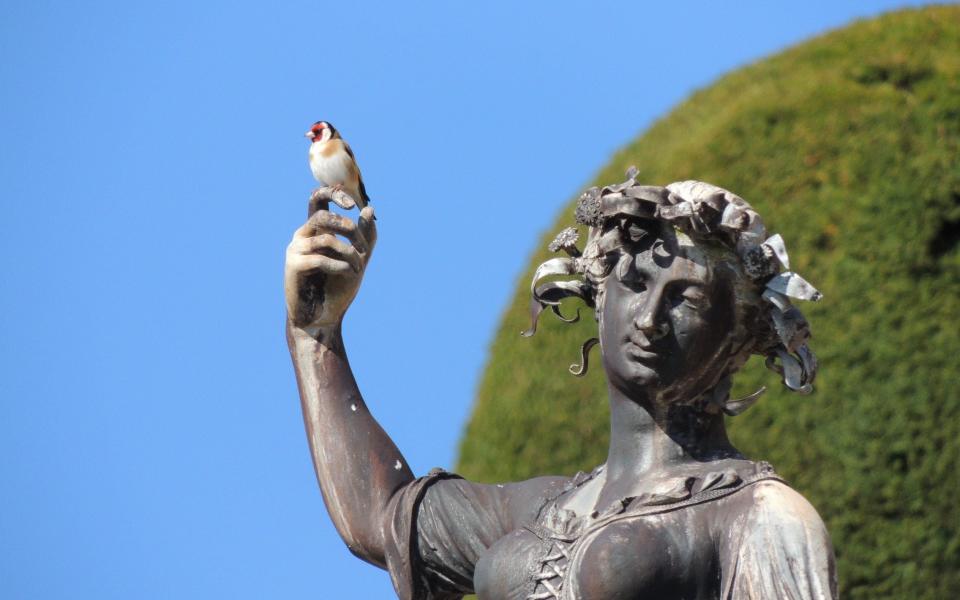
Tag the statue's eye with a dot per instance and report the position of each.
(629, 276)
(694, 297)
(634, 282)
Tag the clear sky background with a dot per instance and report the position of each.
(152, 169)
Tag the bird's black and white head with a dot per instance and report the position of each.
(321, 132)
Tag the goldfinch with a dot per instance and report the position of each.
(333, 163)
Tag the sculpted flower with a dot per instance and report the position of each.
(566, 240)
(588, 208)
(758, 262)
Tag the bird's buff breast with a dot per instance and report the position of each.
(329, 165)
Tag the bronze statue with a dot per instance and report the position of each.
(686, 285)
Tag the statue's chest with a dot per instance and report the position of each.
(650, 557)
(657, 544)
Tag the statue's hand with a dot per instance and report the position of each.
(323, 273)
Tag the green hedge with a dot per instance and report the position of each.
(849, 145)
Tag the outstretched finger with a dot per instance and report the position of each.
(367, 226)
(326, 194)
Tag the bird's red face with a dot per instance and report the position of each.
(320, 132)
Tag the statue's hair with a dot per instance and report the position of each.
(620, 215)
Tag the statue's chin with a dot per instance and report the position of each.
(643, 382)
(637, 378)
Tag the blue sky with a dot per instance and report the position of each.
(153, 169)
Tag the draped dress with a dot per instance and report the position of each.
(732, 531)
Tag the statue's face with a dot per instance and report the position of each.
(667, 317)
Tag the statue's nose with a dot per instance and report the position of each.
(652, 327)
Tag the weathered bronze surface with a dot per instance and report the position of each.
(686, 285)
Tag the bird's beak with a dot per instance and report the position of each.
(310, 134)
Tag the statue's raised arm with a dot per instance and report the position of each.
(357, 465)
(367, 486)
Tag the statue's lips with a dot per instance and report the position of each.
(641, 351)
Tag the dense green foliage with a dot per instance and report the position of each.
(848, 145)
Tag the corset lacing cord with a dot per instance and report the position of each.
(558, 549)
(549, 571)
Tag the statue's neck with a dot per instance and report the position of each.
(649, 440)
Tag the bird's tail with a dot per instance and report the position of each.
(364, 198)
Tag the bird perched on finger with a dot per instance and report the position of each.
(333, 163)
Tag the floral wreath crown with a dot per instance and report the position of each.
(700, 210)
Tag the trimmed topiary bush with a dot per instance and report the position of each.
(848, 145)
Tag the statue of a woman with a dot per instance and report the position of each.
(686, 285)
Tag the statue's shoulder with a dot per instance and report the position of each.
(776, 503)
(776, 546)
(771, 514)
